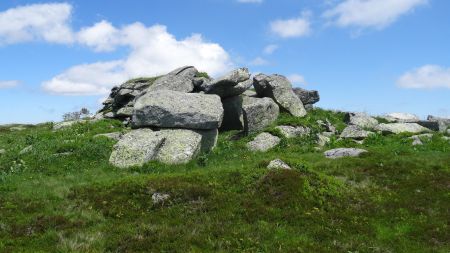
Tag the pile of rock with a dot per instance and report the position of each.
(177, 116)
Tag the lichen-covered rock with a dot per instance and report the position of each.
(180, 146)
(292, 132)
(180, 79)
(280, 90)
(173, 109)
(327, 126)
(396, 128)
(344, 152)
(360, 119)
(136, 148)
(26, 150)
(263, 142)
(250, 114)
(278, 164)
(401, 117)
(232, 84)
(354, 132)
(159, 198)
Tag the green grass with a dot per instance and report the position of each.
(395, 198)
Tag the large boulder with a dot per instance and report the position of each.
(180, 146)
(401, 117)
(173, 109)
(180, 79)
(443, 123)
(232, 84)
(308, 97)
(136, 148)
(344, 152)
(396, 128)
(280, 90)
(354, 132)
(263, 142)
(360, 119)
(250, 114)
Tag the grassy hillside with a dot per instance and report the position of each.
(63, 196)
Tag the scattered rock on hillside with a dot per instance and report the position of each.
(292, 132)
(308, 97)
(360, 119)
(263, 142)
(250, 114)
(26, 150)
(159, 198)
(278, 164)
(173, 109)
(136, 148)
(344, 152)
(417, 139)
(327, 126)
(279, 89)
(354, 132)
(323, 138)
(115, 136)
(232, 84)
(180, 79)
(397, 128)
(66, 124)
(401, 117)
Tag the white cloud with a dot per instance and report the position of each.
(154, 51)
(370, 13)
(426, 77)
(296, 79)
(9, 84)
(48, 22)
(269, 49)
(250, 1)
(290, 28)
(258, 61)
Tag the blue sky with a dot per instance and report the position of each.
(376, 56)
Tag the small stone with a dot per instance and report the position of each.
(278, 164)
(26, 150)
(344, 152)
(292, 132)
(263, 142)
(159, 198)
(354, 132)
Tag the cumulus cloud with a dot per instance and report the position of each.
(370, 13)
(290, 28)
(426, 77)
(250, 1)
(154, 51)
(269, 49)
(296, 79)
(47, 22)
(9, 84)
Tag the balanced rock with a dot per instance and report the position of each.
(292, 132)
(360, 119)
(173, 109)
(178, 80)
(354, 132)
(397, 128)
(278, 164)
(280, 90)
(250, 114)
(308, 97)
(263, 142)
(401, 117)
(136, 148)
(232, 84)
(344, 152)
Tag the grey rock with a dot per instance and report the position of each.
(397, 128)
(278, 164)
(401, 117)
(67, 124)
(250, 114)
(124, 112)
(136, 148)
(308, 97)
(180, 80)
(354, 132)
(172, 109)
(159, 198)
(263, 142)
(418, 139)
(432, 125)
(180, 146)
(115, 136)
(109, 115)
(443, 123)
(250, 93)
(292, 132)
(323, 139)
(326, 125)
(360, 119)
(280, 90)
(344, 152)
(232, 84)
(26, 150)
(209, 139)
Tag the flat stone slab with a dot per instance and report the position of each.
(344, 152)
(173, 109)
(263, 142)
(397, 128)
